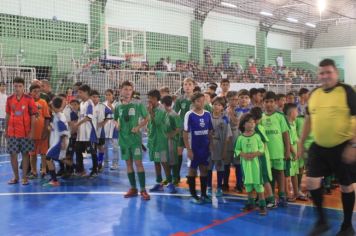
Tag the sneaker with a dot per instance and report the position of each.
(114, 167)
(238, 189)
(176, 182)
(145, 196)
(282, 202)
(346, 231)
(51, 184)
(319, 229)
(93, 174)
(131, 193)
(271, 205)
(196, 200)
(171, 188)
(165, 182)
(100, 168)
(81, 174)
(157, 188)
(248, 207)
(263, 211)
(219, 192)
(33, 176)
(209, 192)
(60, 172)
(206, 199)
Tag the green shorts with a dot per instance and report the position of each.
(278, 164)
(172, 152)
(292, 168)
(257, 187)
(131, 153)
(158, 156)
(266, 172)
(181, 141)
(301, 162)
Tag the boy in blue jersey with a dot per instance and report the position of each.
(197, 138)
(58, 140)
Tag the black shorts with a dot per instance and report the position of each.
(88, 147)
(71, 147)
(101, 141)
(324, 162)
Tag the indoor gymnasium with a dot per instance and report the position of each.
(177, 117)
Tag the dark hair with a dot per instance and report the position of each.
(154, 93)
(224, 81)
(109, 91)
(127, 83)
(280, 95)
(290, 94)
(327, 62)
(211, 95)
(164, 89)
(85, 88)
(57, 102)
(262, 90)
(270, 95)
(19, 80)
(167, 100)
(212, 87)
(62, 95)
(244, 119)
(253, 92)
(231, 94)
(2, 83)
(303, 91)
(256, 113)
(34, 86)
(78, 84)
(287, 107)
(74, 101)
(219, 100)
(196, 96)
(244, 92)
(197, 89)
(94, 93)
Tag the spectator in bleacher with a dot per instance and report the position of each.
(3, 98)
(47, 90)
(250, 61)
(279, 61)
(208, 58)
(226, 59)
(168, 64)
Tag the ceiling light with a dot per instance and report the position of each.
(227, 4)
(310, 25)
(292, 20)
(321, 5)
(266, 13)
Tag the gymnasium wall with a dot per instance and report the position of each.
(341, 35)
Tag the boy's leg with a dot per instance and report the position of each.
(158, 171)
(203, 180)
(79, 149)
(51, 169)
(106, 151)
(262, 201)
(15, 166)
(180, 161)
(238, 173)
(294, 180)
(92, 149)
(25, 164)
(167, 171)
(33, 163)
(115, 151)
(210, 174)
(281, 186)
(226, 177)
(191, 182)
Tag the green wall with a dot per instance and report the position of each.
(272, 54)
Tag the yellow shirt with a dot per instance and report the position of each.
(332, 114)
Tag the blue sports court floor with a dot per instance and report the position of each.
(97, 207)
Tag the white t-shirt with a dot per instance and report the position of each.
(87, 130)
(101, 112)
(3, 98)
(110, 128)
(59, 128)
(279, 61)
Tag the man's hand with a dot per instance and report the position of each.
(300, 150)
(190, 154)
(45, 134)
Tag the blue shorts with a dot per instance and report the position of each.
(198, 160)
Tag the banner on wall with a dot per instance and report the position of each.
(234, 86)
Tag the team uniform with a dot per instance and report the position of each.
(59, 128)
(198, 127)
(182, 106)
(265, 161)
(275, 125)
(253, 179)
(111, 137)
(292, 165)
(86, 136)
(19, 123)
(41, 145)
(128, 116)
(174, 123)
(71, 116)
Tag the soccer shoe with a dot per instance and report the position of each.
(157, 188)
(346, 231)
(165, 182)
(145, 196)
(93, 174)
(131, 193)
(319, 228)
(176, 182)
(248, 207)
(33, 176)
(51, 184)
(206, 199)
(209, 192)
(171, 188)
(271, 205)
(263, 211)
(219, 192)
(114, 167)
(196, 200)
(282, 202)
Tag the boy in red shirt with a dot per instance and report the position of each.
(19, 127)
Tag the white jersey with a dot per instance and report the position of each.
(110, 128)
(101, 113)
(59, 128)
(87, 130)
(3, 99)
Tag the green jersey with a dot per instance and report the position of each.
(293, 136)
(300, 123)
(275, 125)
(251, 168)
(157, 130)
(182, 106)
(208, 107)
(174, 123)
(128, 116)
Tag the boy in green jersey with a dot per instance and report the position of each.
(208, 98)
(182, 106)
(265, 161)
(292, 165)
(132, 116)
(158, 141)
(173, 130)
(249, 147)
(276, 128)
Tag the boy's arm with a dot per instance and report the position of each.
(143, 122)
(287, 145)
(6, 124)
(45, 131)
(85, 119)
(304, 136)
(64, 142)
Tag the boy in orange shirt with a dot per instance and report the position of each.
(41, 132)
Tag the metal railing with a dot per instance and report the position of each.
(285, 88)
(9, 73)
